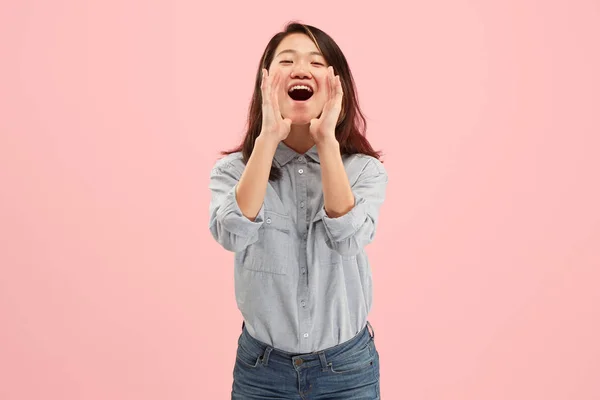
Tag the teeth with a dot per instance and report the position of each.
(301, 87)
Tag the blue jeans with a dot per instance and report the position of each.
(348, 371)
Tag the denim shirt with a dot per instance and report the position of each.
(302, 279)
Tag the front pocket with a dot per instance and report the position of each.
(272, 253)
(359, 360)
(246, 358)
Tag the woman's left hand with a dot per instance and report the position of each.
(323, 128)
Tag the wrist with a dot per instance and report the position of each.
(327, 142)
(268, 141)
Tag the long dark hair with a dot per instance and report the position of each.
(351, 128)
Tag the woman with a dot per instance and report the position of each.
(297, 202)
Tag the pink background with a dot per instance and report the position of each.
(486, 263)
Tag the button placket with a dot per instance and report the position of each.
(302, 212)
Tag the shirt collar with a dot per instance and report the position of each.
(285, 154)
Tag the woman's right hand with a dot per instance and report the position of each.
(274, 125)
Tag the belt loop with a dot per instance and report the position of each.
(323, 360)
(373, 330)
(266, 354)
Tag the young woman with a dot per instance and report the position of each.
(297, 202)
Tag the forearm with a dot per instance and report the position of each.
(252, 186)
(337, 192)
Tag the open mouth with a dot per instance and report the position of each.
(300, 93)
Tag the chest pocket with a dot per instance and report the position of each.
(272, 253)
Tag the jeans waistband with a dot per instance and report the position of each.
(268, 352)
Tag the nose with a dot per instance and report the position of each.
(300, 71)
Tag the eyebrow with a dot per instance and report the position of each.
(312, 53)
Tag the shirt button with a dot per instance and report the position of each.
(301, 158)
(302, 204)
(268, 220)
(303, 302)
(303, 270)
(306, 335)
(301, 171)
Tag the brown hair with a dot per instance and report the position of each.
(351, 128)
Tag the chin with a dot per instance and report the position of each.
(299, 118)
(300, 121)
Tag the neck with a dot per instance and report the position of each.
(299, 138)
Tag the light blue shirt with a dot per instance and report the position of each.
(302, 280)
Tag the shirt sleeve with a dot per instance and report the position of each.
(228, 226)
(351, 232)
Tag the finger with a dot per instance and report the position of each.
(339, 91)
(329, 83)
(265, 86)
(275, 95)
(264, 76)
(333, 95)
(274, 85)
(329, 86)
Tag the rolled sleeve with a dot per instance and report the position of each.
(351, 232)
(228, 225)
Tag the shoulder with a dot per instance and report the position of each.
(232, 163)
(358, 164)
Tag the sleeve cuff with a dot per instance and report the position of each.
(343, 227)
(234, 221)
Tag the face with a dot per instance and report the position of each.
(302, 67)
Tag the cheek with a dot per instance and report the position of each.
(274, 66)
(322, 82)
(283, 94)
(321, 96)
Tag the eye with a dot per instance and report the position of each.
(285, 62)
(318, 63)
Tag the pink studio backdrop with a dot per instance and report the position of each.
(486, 264)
